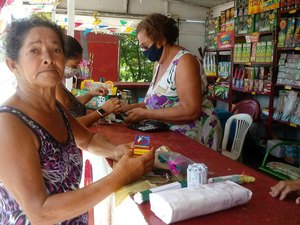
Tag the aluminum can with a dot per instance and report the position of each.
(196, 175)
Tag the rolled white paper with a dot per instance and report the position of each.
(176, 205)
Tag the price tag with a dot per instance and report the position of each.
(253, 93)
(293, 11)
(297, 48)
(293, 125)
(288, 87)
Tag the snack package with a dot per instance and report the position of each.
(178, 163)
(290, 32)
(279, 109)
(297, 33)
(295, 117)
(289, 105)
(282, 32)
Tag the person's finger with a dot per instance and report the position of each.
(298, 200)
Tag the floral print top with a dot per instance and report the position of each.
(207, 129)
(61, 165)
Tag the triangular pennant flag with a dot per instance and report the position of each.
(129, 29)
(97, 21)
(113, 30)
(123, 22)
(87, 30)
(77, 24)
(102, 26)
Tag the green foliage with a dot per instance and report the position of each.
(43, 15)
(134, 66)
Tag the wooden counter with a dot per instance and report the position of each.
(262, 209)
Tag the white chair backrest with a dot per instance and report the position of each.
(243, 122)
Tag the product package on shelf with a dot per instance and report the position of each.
(225, 39)
(97, 101)
(287, 108)
(282, 32)
(296, 40)
(290, 32)
(209, 65)
(266, 21)
(212, 28)
(251, 79)
(221, 91)
(289, 70)
(227, 20)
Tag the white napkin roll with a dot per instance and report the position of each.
(176, 205)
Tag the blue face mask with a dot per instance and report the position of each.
(153, 53)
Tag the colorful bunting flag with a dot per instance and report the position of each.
(87, 30)
(123, 22)
(77, 24)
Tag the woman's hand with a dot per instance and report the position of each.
(123, 108)
(111, 105)
(283, 188)
(136, 114)
(129, 168)
(100, 91)
(121, 150)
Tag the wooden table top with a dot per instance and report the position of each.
(262, 209)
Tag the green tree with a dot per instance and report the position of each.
(134, 66)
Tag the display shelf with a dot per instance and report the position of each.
(287, 87)
(220, 81)
(252, 92)
(286, 123)
(254, 63)
(282, 81)
(261, 33)
(254, 69)
(293, 49)
(218, 99)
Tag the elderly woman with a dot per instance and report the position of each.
(176, 94)
(40, 163)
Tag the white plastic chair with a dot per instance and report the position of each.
(243, 122)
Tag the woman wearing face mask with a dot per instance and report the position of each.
(177, 94)
(76, 105)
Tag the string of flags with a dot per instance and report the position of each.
(97, 26)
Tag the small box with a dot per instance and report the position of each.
(278, 151)
(141, 145)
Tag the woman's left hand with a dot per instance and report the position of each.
(101, 91)
(121, 150)
(135, 115)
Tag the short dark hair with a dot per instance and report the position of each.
(18, 30)
(73, 48)
(158, 27)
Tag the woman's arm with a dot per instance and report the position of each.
(109, 107)
(125, 107)
(84, 99)
(188, 83)
(20, 173)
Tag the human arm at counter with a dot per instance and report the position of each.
(284, 188)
